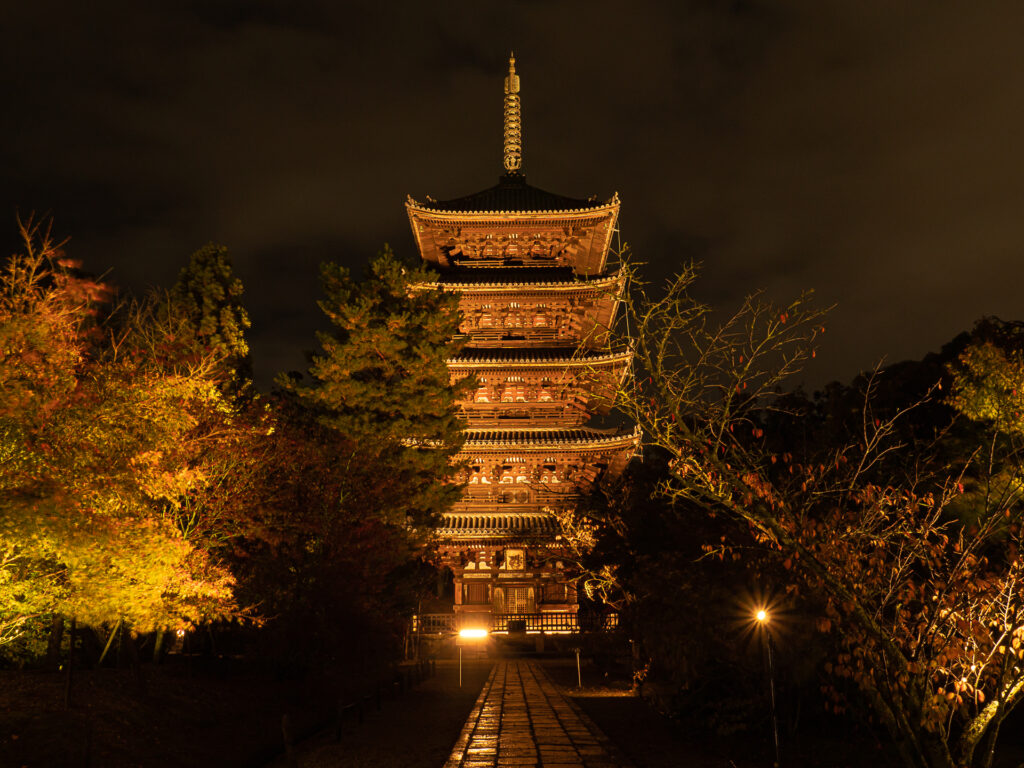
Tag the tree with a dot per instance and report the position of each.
(327, 569)
(209, 296)
(46, 315)
(102, 435)
(382, 382)
(990, 376)
(644, 555)
(907, 539)
(361, 454)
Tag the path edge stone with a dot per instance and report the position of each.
(459, 750)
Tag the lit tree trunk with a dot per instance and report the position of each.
(983, 758)
(133, 658)
(110, 641)
(71, 666)
(983, 730)
(158, 646)
(54, 642)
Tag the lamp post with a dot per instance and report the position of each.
(469, 634)
(762, 619)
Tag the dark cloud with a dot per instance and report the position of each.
(867, 150)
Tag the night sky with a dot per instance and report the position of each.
(872, 150)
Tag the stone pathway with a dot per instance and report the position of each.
(520, 720)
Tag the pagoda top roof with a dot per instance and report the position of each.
(565, 230)
(511, 195)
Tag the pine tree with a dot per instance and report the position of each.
(209, 295)
(382, 381)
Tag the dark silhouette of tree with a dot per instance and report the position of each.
(381, 380)
(355, 468)
(325, 565)
(904, 532)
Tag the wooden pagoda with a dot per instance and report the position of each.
(537, 300)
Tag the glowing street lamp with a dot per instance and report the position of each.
(470, 634)
(763, 620)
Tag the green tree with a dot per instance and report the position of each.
(382, 382)
(208, 295)
(360, 457)
(990, 376)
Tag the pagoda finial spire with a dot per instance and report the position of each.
(513, 121)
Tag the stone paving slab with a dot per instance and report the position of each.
(520, 720)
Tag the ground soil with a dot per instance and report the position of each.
(652, 740)
(416, 731)
(225, 714)
(182, 713)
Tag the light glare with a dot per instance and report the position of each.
(762, 615)
(472, 634)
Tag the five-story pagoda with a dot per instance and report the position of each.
(538, 299)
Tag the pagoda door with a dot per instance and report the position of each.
(520, 600)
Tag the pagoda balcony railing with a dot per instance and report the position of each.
(501, 258)
(562, 418)
(590, 337)
(526, 339)
(499, 332)
(519, 493)
(434, 623)
(559, 413)
(553, 622)
(556, 622)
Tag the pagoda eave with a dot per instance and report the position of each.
(596, 212)
(503, 522)
(602, 283)
(463, 540)
(612, 360)
(547, 439)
